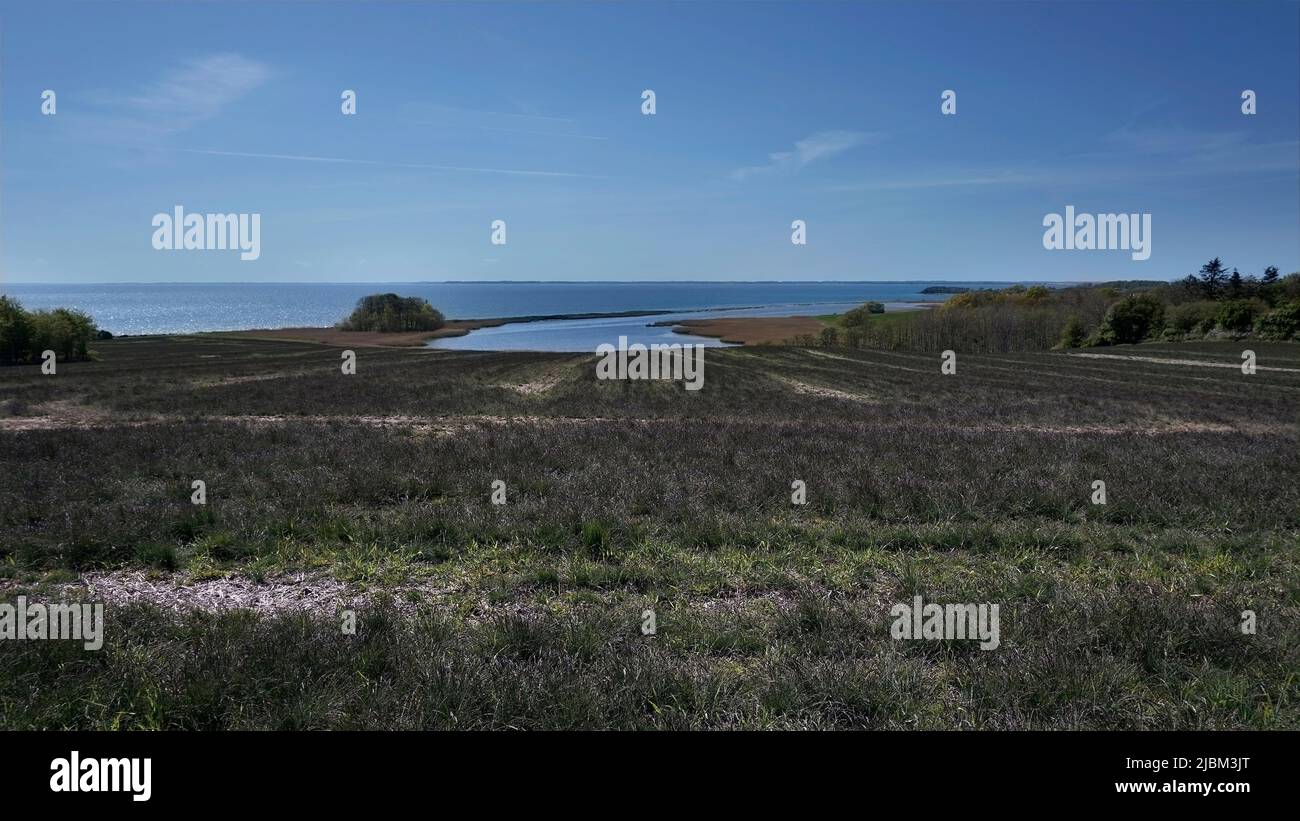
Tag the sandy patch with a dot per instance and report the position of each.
(315, 592)
(824, 392)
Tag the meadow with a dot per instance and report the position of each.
(371, 492)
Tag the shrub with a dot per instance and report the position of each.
(1191, 316)
(1133, 319)
(391, 313)
(1283, 322)
(1237, 316)
(829, 337)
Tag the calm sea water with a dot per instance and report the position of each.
(183, 308)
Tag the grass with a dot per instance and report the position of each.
(626, 496)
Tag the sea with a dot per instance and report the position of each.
(166, 308)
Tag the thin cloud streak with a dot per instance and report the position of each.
(384, 163)
(821, 145)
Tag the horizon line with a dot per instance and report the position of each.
(591, 282)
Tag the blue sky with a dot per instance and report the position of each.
(766, 113)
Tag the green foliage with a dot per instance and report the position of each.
(24, 335)
(391, 313)
(1237, 316)
(1073, 335)
(1017, 318)
(858, 317)
(1213, 274)
(1280, 323)
(1192, 317)
(1133, 319)
(15, 331)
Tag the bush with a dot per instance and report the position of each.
(1133, 319)
(829, 337)
(1281, 323)
(1238, 316)
(391, 313)
(1192, 316)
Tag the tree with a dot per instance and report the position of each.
(1133, 319)
(1073, 334)
(1234, 284)
(858, 317)
(1212, 276)
(1270, 275)
(391, 313)
(1036, 295)
(15, 331)
(25, 335)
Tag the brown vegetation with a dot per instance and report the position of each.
(750, 330)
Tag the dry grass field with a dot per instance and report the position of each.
(372, 493)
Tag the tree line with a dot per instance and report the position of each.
(1216, 303)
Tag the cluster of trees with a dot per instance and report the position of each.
(391, 313)
(1019, 318)
(26, 335)
(1214, 302)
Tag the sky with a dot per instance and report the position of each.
(765, 113)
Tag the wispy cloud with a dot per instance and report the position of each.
(819, 146)
(179, 99)
(385, 163)
(201, 88)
